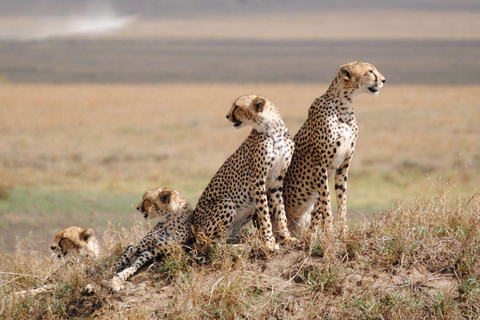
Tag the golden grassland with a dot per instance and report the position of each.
(84, 154)
(129, 137)
(419, 261)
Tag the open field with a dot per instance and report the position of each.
(84, 154)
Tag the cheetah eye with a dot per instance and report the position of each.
(371, 71)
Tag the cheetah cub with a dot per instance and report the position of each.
(324, 147)
(75, 244)
(71, 245)
(174, 228)
(250, 182)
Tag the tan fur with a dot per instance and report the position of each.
(249, 184)
(75, 243)
(324, 148)
(174, 228)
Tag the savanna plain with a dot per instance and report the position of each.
(84, 153)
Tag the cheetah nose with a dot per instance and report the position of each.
(383, 81)
(138, 208)
(227, 116)
(53, 247)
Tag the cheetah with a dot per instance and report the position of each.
(75, 244)
(72, 245)
(324, 146)
(174, 228)
(250, 182)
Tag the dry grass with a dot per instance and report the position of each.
(419, 261)
(113, 137)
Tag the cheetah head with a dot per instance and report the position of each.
(75, 242)
(157, 203)
(362, 77)
(247, 110)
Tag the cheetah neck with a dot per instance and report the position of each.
(270, 123)
(185, 213)
(342, 97)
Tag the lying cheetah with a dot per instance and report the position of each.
(251, 179)
(174, 228)
(74, 243)
(324, 146)
(71, 245)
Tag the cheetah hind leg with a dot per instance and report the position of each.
(124, 261)
(216, 221)
(297, 226)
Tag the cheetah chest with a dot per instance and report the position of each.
(278, 156)
(342, 147)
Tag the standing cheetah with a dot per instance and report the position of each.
(251, 179)
(324, 146)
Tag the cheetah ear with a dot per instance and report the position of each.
(165, 196)
(345, 71)
(86, 234)
(259, 104)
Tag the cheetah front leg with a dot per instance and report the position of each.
(341, 176)
(263, 216)
(118, 280)
(151, 245)
(277, 211)
(322, 209)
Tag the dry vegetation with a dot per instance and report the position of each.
(420, 261)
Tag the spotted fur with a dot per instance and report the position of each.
(174, 228)
(324, 147)
(250, 182)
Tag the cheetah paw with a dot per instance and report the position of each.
(273, 247)
(116, 284)
(290, 240)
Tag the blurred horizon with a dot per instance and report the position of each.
(208, 41)
(167, 8)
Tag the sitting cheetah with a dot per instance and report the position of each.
(75, 243)
(324, 145)
(174, 228)
(251, 179)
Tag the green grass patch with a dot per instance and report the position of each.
(28, 200)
